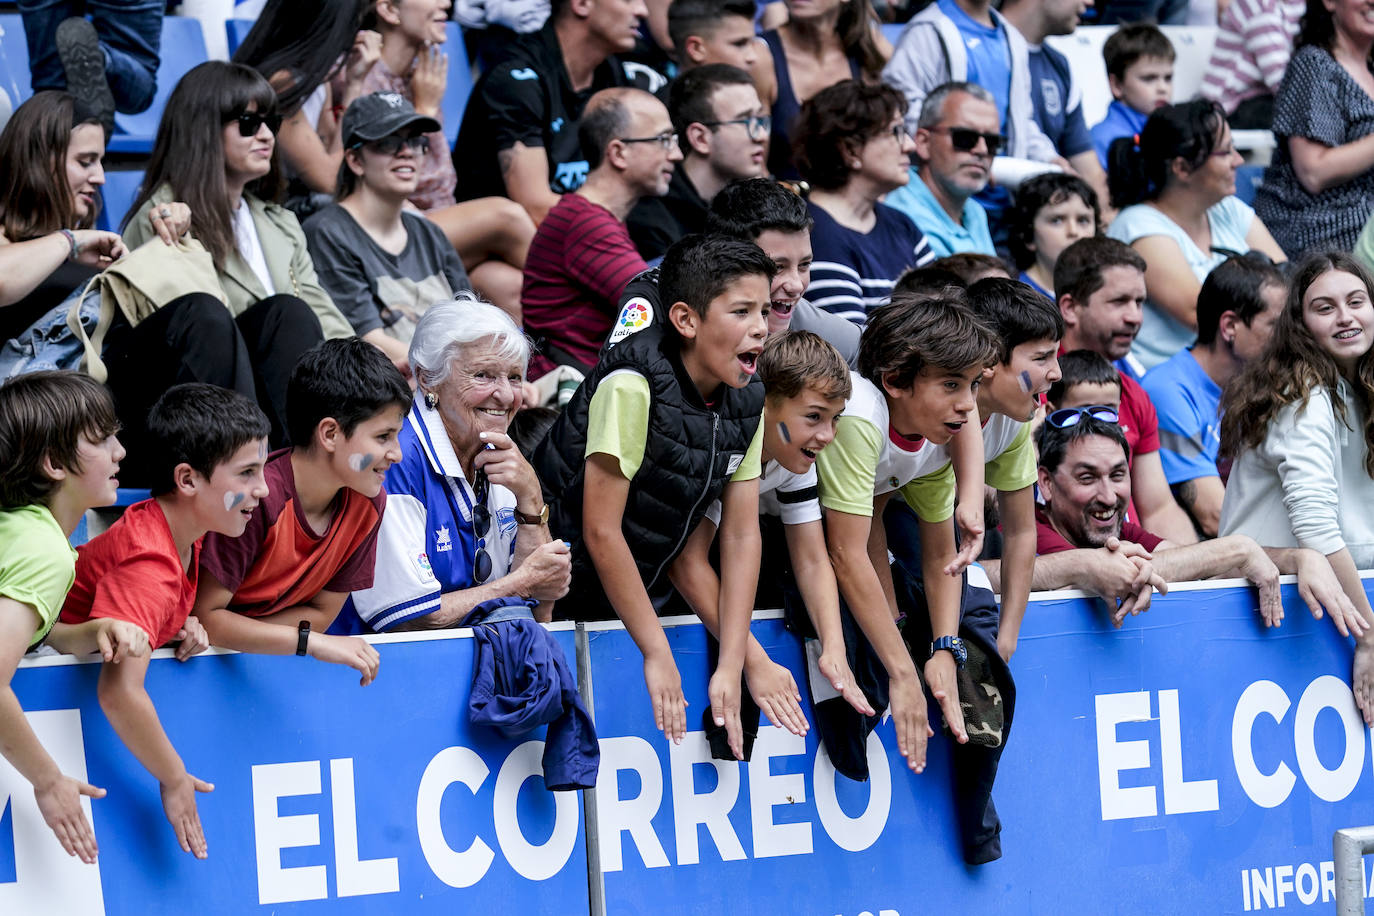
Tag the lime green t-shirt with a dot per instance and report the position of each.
(37, 564)
(618, 425)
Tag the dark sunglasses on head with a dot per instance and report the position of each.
(391, 145)
(1071, 416)
(250, 121)
(481, 526)
(965, 139)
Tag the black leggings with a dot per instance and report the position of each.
(194, 339)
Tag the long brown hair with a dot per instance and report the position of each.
(1293, 364)
(188, 154)
(35, 196)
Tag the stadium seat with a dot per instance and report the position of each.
(14, 59)
(237, 30)
(1248, 179)
(459, 81)
(124, 498)
(183, 47)
(118, 195)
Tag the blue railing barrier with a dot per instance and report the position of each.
(1190, 762)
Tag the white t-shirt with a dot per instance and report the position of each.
(792, 497)
(250, 246)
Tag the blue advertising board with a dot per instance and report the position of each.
(1191, 762)
(329, 797)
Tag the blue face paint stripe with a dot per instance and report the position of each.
(782, 431)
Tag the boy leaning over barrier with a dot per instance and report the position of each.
(1028, 328)
(920, 364)
(806, 383)
(668, 422)
(207, 449)
(313, 540)
(58, 458)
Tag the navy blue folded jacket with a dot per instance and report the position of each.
(520, 681)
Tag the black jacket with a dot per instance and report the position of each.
(692, 449)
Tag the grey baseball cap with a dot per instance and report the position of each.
(381, 114)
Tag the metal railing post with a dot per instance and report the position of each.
(1349, 848)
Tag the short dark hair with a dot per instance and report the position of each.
(1034, 195)
(913, 333)
(348, 379)
(749, 207)
(690, 95)
(968, 265)
(697, 268)
(1053, 442)
(1130, 43)
(200, 425)
(795, 360)
(1078, 272)
(1235, 285)
(603, 120)
(1082, 367)
(1016, 313)
(835, 122)
(928, 281)
(701, 17)
(46, 415)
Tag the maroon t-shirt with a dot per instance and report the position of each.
(578, 266)
(1048, 541)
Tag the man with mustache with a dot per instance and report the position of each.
(1084, 540)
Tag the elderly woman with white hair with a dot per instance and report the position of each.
(465, 519)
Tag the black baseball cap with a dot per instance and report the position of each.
(381, 114)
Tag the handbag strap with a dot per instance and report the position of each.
(91, 362)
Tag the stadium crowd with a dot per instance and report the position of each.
(708, 308)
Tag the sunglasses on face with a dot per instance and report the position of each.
(481, 526)
(250, 121)
(1071, 416)
(390, 146)
(965, 139)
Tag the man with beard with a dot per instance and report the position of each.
(1085, 541)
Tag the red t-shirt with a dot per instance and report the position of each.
(578, 266)
(1048, 541)
(132, 572)
(280, 562)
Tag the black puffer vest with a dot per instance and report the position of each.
(692, 450)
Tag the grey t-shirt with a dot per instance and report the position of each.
(841, 332)
(374, 288)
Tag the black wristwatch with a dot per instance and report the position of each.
(302, 636)
(954, 645)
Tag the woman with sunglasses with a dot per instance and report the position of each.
(1175, 185)
(852, 147)
(216, 150)
(1298, 423)
(465, 520)
(491, 234)
(383, 266)
(823, 42)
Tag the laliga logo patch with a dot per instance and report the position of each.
(422, 564)
(637, 315)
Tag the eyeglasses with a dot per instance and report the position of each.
(667, 140)
(250, 121)
(481, 526)
(758, 126)
(391, 145)
(898, 132)
(1072, 416)
(965, 139)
